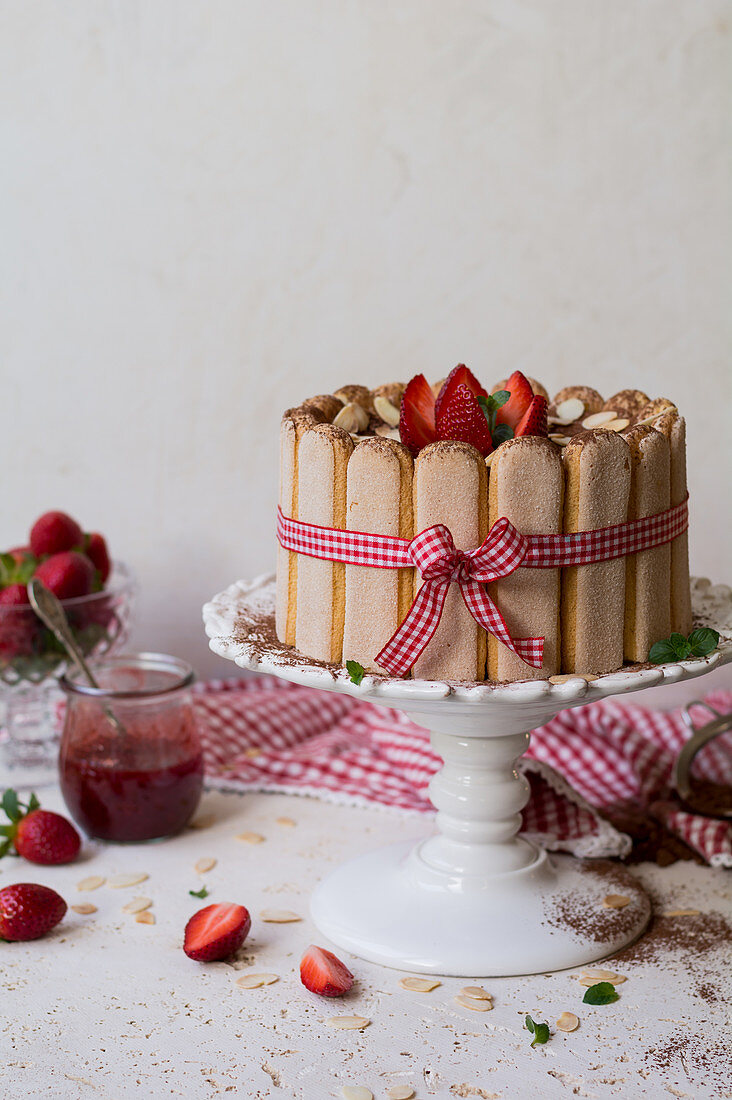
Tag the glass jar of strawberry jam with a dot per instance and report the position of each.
(130, 762)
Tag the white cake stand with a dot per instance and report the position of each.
(474, 899)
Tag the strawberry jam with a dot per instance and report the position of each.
(131, 766)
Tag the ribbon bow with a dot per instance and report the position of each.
(439, 562)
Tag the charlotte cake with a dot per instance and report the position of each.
(398, 459)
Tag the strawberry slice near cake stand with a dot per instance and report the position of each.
(475, 898)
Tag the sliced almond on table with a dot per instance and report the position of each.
(93, 882)
(356, 1092)
(568, 1022)
(348, 1023)
(472, 1003)
(145, 918)
(137, 905)
(254, 981)
(206, 864)
(250, 838)
(595, 974)
(286, 821)
(120, 882)
(202, 822)
(279, 916)
(400, 1092)
(681, 913)
(570, 410)
(615, 901)
(420, 985)
(477, 993)
(599, 420)
(618, 425)
(84, 909)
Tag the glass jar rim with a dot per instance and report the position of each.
(162, 662)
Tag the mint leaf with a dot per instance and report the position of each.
(661, 652)
(355, 671)
(601, 994)
(680, 646)
(501, 433)
(10, 805)
(500, 397)
(202, 893)
(539, 1031)
(703, 641)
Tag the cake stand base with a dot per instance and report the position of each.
(391, 908)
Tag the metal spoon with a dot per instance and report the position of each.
(48, 608)
(700, 736)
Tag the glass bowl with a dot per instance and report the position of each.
(32, 660)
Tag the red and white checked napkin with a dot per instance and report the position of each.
(265, 734)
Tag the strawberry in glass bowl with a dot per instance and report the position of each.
(97, 596)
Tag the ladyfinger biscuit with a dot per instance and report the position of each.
(626, 403)
(536, 387)
(526, 486)
(377, 600)
(295, 422)
(450, 487)
(648, 573)
(321, 585)
(591, 399)
(673, 427)
(325, 403)
(596, 492)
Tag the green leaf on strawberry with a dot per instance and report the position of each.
(11, 805)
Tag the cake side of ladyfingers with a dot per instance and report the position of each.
(400, 458)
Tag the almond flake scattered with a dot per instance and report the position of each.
(120, 882)
(564, 677)
(472, 1003)
(287, 821)
(254, 981)
(590, 975)
(93, 882)
(252, 752)
(203, 822)
(279, 916)
(476, 993)
(570, 410)
(145, 918)
(250, 838)
(206, 864)
(568, 1022)
(84, 909)
(400, 1092)
(598, 420)
(137, 905)
(348, 1023)
(615, 901)
(356, 1092)
(681, 913)
(420, 985)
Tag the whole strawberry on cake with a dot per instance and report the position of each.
(460, 486)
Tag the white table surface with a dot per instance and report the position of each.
(106, 1007)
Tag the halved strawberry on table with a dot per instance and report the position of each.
(323, 973)
(216, 932)
(518, 403)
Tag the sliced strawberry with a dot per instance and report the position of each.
(459, 375)
(417, 415)
(216, 932)
(323, 973)
(461, 417)
(533, 422)
(521, 397)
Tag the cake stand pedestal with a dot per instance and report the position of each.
(475, 899)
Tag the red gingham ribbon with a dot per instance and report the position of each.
(439, 562)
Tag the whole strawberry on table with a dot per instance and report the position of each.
(72, 564)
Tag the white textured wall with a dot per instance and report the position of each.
(213, 208)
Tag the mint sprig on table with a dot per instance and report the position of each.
(355, 671)
(603, 993)
(202, 893)
(539, 1031)
(678, 648)
(490, 406)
